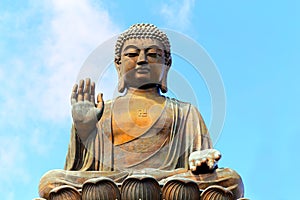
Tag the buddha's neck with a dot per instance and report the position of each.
(148, 93)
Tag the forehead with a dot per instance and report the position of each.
(143, 43)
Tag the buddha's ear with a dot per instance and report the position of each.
(117, 62)
(121, 83)
(163, 84)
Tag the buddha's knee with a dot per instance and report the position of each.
(231, 180)
(49, 181)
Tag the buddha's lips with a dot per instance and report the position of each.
(142, 70)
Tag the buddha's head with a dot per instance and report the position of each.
(143, 58)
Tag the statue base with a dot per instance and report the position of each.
(142, 187)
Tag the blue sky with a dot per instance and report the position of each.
(254, 44)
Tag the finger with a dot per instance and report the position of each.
(100, 100)
(203, 160)
(74, 94)
(217, 155)
(198, 163)
(93, 92)
(193, 167)
(80, 91)
(87, 89)
(192, 162)
(210, 163)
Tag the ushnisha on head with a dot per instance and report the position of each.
(143, 31)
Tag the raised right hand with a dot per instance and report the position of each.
(85, 112)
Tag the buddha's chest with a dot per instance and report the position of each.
(132, 118)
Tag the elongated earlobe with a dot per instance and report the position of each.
(121, 83)
(163, 84)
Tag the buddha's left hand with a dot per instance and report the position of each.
(204, 159)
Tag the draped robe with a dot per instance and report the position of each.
(181, 130)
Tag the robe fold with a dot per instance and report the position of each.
(187, 133)
(167, 158)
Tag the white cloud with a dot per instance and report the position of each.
(37, 74)
(38, 82)
(42, 58)
(178, 13)
(15, 174)
(39, 141)
(73, 31)
(14, 105)
(1, 73)
(12, 159)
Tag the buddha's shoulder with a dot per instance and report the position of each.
(181, 105)
(177, 102)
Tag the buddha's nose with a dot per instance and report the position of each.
(142, 59)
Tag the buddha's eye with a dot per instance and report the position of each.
(154, 55)
(131, 54)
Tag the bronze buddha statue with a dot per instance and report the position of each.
(141, 134)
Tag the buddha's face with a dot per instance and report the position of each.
(142, 63)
